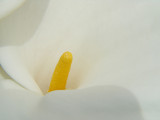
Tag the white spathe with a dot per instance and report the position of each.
(103, 102)
(7, 6)
(113, 43)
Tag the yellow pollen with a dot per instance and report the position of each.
(60, 75)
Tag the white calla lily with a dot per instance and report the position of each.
(113, 43)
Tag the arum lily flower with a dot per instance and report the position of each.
(115, 68)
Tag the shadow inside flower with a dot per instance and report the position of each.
(94, 103)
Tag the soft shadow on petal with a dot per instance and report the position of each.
(3, 74)
(17, 104)
(14, 66)
(95, 103)
(22, 24)
(8, 6)
(102, 102)
(6, 82)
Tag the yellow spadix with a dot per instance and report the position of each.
(60, 75)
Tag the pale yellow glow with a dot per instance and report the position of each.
(60, 75)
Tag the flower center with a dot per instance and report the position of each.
(61, 72)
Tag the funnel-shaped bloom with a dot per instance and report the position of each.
(113, 43)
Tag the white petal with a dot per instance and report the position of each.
(113, 42)
(7, 6)
(17, 104)
(14, 66)
(20, 26)
(110, 102)
(6, 82)
(9, 84)
(117, 37)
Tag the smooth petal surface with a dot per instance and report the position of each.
(7, 6)
(117, 31)
(21, 25)
(11, 61)
(6, 82)
(113, 43)
(17, 104)
(110, 102)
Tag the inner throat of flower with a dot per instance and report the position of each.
(61, 72)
